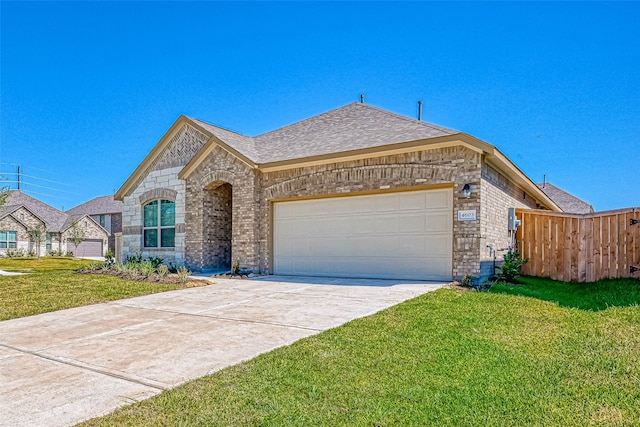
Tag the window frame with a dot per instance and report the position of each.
(158, 227)
(9, 244)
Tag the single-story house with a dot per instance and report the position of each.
(22, 213)
(355, 192)
(104, 210)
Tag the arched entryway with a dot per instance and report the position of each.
(218, 225)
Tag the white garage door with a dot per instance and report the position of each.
(404, 235)
(88, 248)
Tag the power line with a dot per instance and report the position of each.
(27, 183)
(35, 177)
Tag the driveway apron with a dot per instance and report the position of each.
(60, 368)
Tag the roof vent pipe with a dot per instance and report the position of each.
(362, 98)
(419, 110)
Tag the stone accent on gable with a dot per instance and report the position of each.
(91, 230)
(27, 218)
(498, 195)
(181, 149)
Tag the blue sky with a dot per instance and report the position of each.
(88, 88)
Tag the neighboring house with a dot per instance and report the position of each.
(22, 212)
(105, 211)
(567, 202)
(357, 191)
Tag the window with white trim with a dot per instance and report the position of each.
(159, 224)
(8, 239)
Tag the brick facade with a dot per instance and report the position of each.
(224, 205)
(498, 195)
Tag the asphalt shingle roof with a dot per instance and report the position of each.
(53, 218)
(352, 127)
(565, 201)
(98, 206)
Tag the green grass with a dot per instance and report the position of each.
(586, 296)
(52, 284)
(447, 358)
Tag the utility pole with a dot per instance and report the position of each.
(18, 177)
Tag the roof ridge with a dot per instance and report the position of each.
(409, 119)
(219, 127)
(362, 105)
(305, 120)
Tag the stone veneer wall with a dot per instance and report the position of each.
(9, 223)
(132, 220)
(161, 175)
(456, 166)
(498, 194)
(91, 231)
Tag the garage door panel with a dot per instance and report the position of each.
(438, 200)
(412, 223)
(438, 221)
(412, 201)
(401, 235)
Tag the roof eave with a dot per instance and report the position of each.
(501, 162)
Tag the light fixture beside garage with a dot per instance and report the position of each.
(466, 191)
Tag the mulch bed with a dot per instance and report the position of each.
(152, 278)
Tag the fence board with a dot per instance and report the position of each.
(582, 248)
(597, 247)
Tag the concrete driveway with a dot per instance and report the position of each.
(60, 368)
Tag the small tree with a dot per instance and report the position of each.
(511, 267)
(36, 235)
(4, 193)
(76, 235)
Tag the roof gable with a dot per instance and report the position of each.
(52, 217)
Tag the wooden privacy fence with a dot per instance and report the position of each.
(580, 248)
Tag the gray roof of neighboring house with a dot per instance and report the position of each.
(98, 206)
(352, 127)
(53, 218)
(567, 202)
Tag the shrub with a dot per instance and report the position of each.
(14, 253)
(109, 260)
(134, 259)
(511, 267)
(183, 274)
(235, 268)
(146, 268)
(163, 270)
(154, 261)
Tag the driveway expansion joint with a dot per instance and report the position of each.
(98, 370)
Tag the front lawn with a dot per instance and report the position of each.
(447, 358)
(587, 296)
(52, 284)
